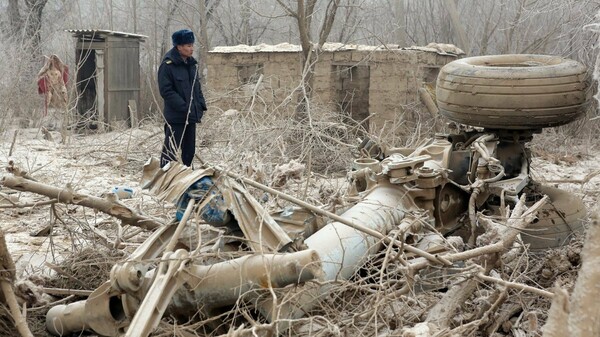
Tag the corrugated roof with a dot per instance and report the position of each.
(102, 33)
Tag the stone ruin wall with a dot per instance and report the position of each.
(395, 77)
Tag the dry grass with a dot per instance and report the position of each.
(86, 269)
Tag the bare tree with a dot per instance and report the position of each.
(242, 21)
(165, 41)
(490, 27)
(33, 27)
(459, 29)
(304, 13)
(26, 29)
(351, 19)
(134, 9)
(14, 17)
(196, 16)
(204, 44)
(400, 12)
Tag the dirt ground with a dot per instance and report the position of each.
(94, 164)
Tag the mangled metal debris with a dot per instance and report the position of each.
(220, 197)
(399, 199)
(410, 195)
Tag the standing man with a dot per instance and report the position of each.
(179, 85)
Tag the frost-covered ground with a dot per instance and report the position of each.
(96, 163)
(91, 164)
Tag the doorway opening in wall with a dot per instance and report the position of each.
(352, 92)
(87, 97)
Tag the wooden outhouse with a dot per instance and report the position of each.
(107, 77)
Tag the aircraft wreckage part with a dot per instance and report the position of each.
(513, 91)
(102, 312)
(370, 163)
(65, 319)
(561, 218)
(261, 231)
(319, 211)
(157, 298)
(174, 181)
(170, 182)
(215, 211)
(342, 249)
(128, 276)
(8, 299)
(222, 284)
(210, 286)
(164, 284)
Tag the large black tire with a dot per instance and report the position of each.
(557, 221)
(513, 91)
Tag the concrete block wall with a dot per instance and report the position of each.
(395, 78)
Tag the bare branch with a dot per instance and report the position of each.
(287, 9)
(68, 196)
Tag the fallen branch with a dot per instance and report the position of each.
(468, 329)
(7, 266)
(17, 171)
(252, 330)
(501, 317)
(514, 285)
(60, 271)
(15, 311)
(104, 240)
(25, 205)
(51, 304)
(66, 195)
(441, 314)
(429, 103)
(583, 181)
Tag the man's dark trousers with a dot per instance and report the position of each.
(179, 136)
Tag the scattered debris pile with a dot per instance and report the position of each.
(459, 214)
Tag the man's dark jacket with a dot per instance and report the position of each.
(176, 79)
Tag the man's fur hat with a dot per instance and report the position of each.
(184, 36)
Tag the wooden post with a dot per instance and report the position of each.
(102, 117)
(133, 113)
